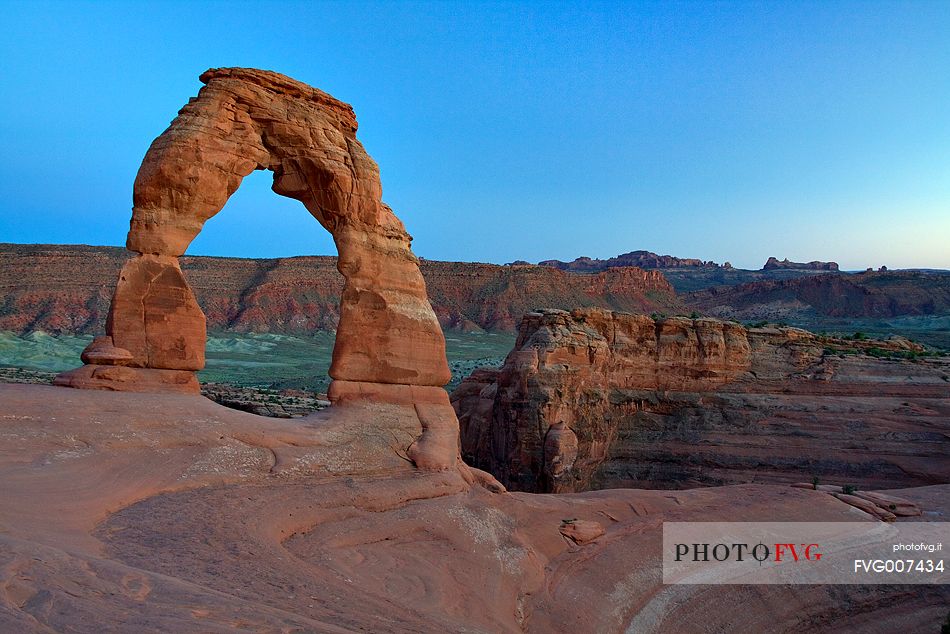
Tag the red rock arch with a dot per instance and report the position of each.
(389, 345)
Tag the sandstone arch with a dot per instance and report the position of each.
(389, 344)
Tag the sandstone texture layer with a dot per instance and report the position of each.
(168, 513)
(592, 399)
(66, 289)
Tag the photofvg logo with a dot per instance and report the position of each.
(804, 552)
(740, 552)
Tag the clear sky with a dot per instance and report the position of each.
(723, 131)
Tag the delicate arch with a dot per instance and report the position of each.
(242, 120)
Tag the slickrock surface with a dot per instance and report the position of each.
(67, 288)
(595, 399)
(162, 512)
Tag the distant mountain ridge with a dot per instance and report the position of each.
(872, 294)
(641, 259)
(692, 274)
(68, 288)
(650, 260)
(774, 263)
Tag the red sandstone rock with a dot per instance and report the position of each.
(102, 352)
(877, 294)
(246, 119)
(581, 531)
(887, 506)
(678, 402)
(155, 316)
(642, 259)
(896, 505)
(867, 506)
(126, 379)
(437, 448)
(560, 452)
(302, 294)
(774, 263)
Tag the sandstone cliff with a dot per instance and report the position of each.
(598, 399)
(67, 289)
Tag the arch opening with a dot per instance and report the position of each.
(256, 223)
(270, 325)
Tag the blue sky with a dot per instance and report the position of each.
(724, 131)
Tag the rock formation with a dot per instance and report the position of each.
(245, 120)
(774, 263)
(599, 399)
(66, 289)
(389, 346)
(885, 507)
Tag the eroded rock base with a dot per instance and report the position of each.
(163, 512)
(124, 379)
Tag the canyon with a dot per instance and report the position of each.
(594, 399)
